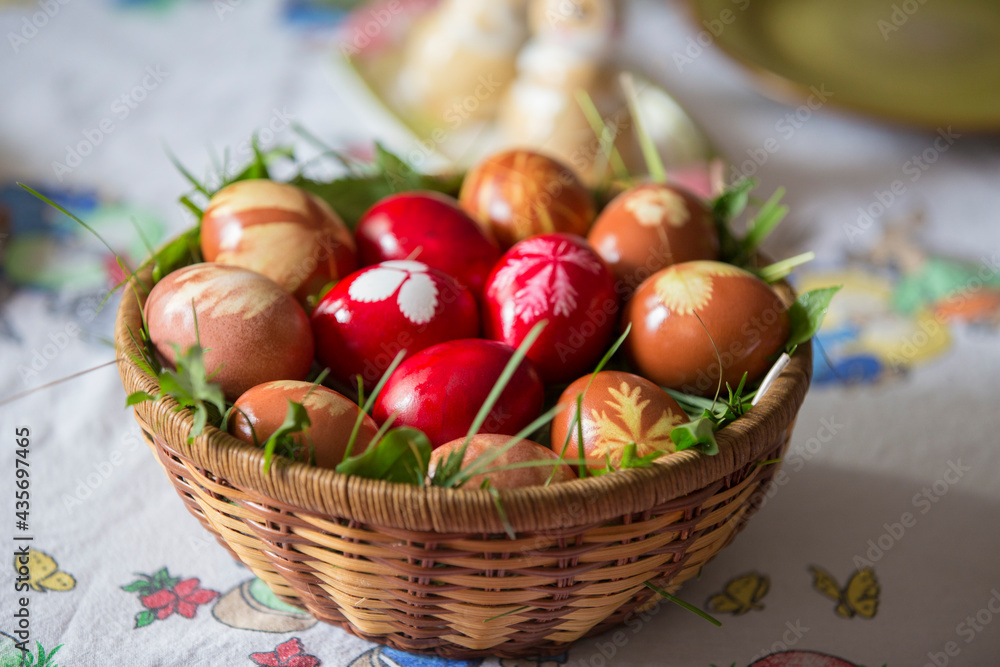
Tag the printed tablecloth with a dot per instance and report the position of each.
(877, 543)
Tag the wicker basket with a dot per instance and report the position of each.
(431, 570)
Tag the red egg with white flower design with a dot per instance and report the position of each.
(441, 389)
(367, 318)
(431, 228)
(558, 278)
(281, 231)
(689, 317)
(252, 330)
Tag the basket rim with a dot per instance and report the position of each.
(298, 487)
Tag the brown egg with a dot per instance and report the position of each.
(618, 408)
(524, 450)
(261, 410)
(253, 331)
(687, 316)
(519, 193)
(283, 232)
(652, 226)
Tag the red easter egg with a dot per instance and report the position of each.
(519, 193)
(367, 318)
(261, 410)
(522, 452)
(558, 278)
(431, 228)
(687, 316)
(618, 408)
(651, 226)
(440, 390)
(253, 331)
(280, 231)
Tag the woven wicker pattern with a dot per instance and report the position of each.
(432, 570)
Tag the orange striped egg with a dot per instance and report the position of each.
(280, 231)
(519, 193)
(253, 331)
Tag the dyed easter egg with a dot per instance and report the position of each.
(440, 390)
(261, 410)
(618, 408)
(367, 318)
(523, 451)
(519, 193)
(280, 231)
(253, 331)
(558, 278)
(431, 228)
(687, 316)
(651, 226)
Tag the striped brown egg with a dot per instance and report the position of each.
(519, 193)
(618, 408)
(518, 454)
(281, 231)
(688, 317)
(261, 410)
(253, 331)
(652, 226)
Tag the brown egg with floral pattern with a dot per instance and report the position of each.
(281, 231)
(688, 317)
(618, 408)
(520, 193)
(652, 226)
(251, 329)
(261, 411)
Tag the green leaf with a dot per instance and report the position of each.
(184, 250)
(144, 618)
(807, 314)
(282, 441)
(698, 434)
(767, 218)
(400, 456)
(138, 397)
(370, 401)
(630, 460)
(730, 204)
(772, 273)
(137, 586)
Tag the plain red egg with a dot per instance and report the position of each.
(280, 231)
(253, 331)
(520, 193)
(687, 316)
(651, 226)
(522, 452)
(261, 410)
(618, 408)
(431, 228)
(367, 318)
(560, 279)
(440, 390)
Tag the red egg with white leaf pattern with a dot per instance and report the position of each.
(441, 389)
(431, 228)
(560, 279)
(367, 318)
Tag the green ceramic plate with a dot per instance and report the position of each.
(930, 63)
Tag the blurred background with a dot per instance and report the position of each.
(879, 119)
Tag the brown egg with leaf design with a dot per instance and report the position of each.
(698, 322)
(618, 409)
(652, 226)
(261, 411)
